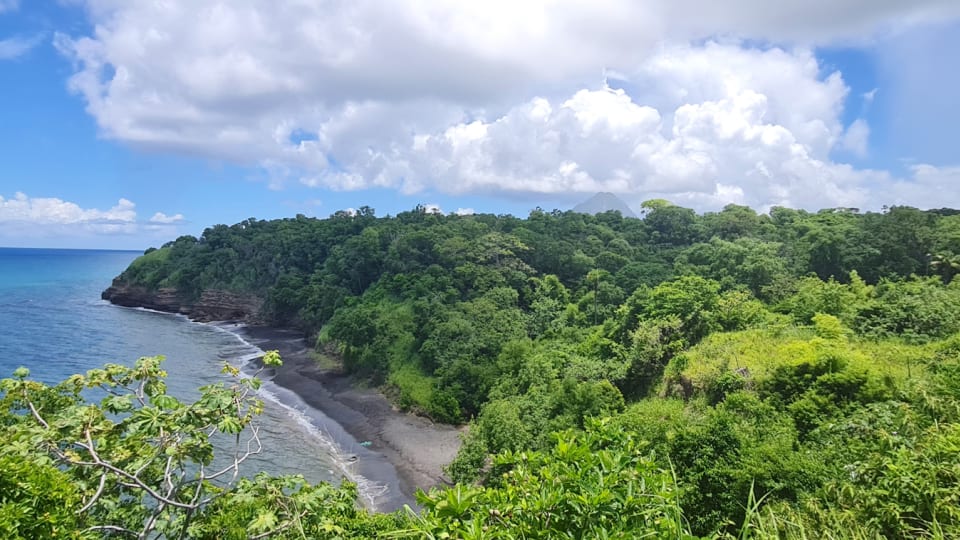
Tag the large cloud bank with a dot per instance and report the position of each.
(537, 97)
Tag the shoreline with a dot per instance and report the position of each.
(395, 451)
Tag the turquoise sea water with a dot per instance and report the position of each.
(53, 322)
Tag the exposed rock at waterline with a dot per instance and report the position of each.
(213, 305)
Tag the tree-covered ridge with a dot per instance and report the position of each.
(793, 372)
(357, 249)
(427, 302)
(349, 252)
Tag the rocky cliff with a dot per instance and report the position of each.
(213, 305)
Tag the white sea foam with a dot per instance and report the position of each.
(157, 311)
(368, 490)
(243, 359)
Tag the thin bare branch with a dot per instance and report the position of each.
(114, 528)
(168, 474)
(133, 481)
(239, 459)
(103, 482)
(36, 415)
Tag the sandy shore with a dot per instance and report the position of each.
(399, 452)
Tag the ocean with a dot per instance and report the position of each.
(54, 323)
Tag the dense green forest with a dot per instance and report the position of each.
(780, 375)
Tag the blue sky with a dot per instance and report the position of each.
(124, 127)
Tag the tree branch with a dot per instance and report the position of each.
(36, 415)
(103, 482)
(134, 481)
(110, 528)
(238, 459)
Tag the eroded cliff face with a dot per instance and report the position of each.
(213, 305)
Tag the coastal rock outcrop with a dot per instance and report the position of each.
(213, 305)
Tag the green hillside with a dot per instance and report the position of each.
(732, 374)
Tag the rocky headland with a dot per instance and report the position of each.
(212, 305)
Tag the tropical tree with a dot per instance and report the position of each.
(946, 265)
(140, 463)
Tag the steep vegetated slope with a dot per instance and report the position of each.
(797, 372)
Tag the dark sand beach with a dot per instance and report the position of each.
(388, 452)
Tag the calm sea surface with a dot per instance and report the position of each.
(53, 321)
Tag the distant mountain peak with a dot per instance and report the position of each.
(604, 202)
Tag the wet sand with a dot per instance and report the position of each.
(400, 452)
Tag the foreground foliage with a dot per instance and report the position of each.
(140, 464)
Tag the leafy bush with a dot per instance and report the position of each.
(595, 484)
(917, 310)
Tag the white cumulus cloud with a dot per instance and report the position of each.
(164, 219)
(499, 96)
(53, 211)
(33, 221)
(709, 125)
